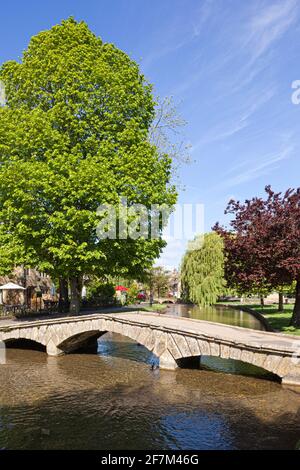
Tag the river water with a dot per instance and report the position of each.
(113, 400)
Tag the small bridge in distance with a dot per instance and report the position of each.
(166, 300)
(173, 340)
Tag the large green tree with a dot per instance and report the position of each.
(74, 134)
(202, 270)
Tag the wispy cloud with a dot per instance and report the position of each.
(166, 50)
(230, 68)
(269, 24)
(204, 14)
(221, 133)
(173, 45)
(252, 170)
(232, 127)
(250, 42)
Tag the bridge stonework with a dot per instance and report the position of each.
(171, 339)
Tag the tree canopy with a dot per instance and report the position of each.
(262, 246)
(74, 134)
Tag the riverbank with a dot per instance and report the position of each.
(153, 308)
(279, 321)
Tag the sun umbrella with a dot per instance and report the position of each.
(11, 286)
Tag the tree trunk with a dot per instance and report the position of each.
(75, 286)
(280, 302)
(295, 320)
(262, 301)
(63, 303)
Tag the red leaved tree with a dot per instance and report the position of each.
(262, 246)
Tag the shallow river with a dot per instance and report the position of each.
(114, 400)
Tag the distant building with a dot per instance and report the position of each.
(35, 283)
(174, 283)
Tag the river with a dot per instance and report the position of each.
(113, 400)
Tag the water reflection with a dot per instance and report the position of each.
(114, 401)
(219, 314)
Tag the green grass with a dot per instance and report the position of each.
(279, 321)
(155, 308)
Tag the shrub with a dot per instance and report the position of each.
(132, 293)
(100, 294)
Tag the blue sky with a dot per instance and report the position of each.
(229, 64)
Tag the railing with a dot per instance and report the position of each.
(21, 310)
(6, 311)
(50, 306)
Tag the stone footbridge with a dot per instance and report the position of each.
(173, 340)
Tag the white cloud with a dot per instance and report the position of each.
(203, 16)
(269, 24)
(258, 168)
(250, 40)
(232, 127)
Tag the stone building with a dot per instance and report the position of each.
(37, 285)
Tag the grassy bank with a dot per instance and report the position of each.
(279, 321)
(155, 308)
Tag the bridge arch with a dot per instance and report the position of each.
(236, 367)
(23, 335)
(183, 347)
(83, 335)
(24, 343)
(85, 340)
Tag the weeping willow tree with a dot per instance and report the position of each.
(202, 270)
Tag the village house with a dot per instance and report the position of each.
(37, 286)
